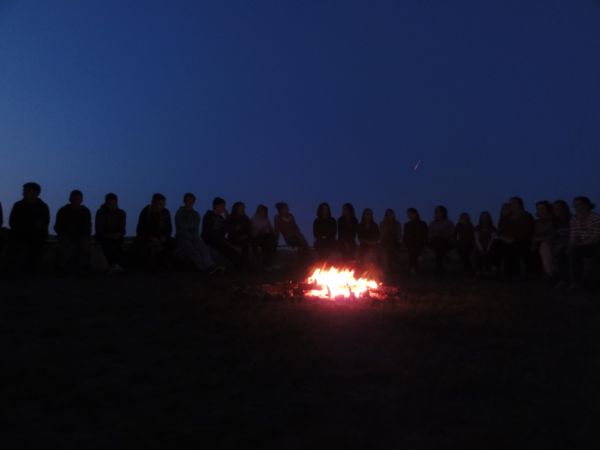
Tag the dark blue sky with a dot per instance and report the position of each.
(302, 100)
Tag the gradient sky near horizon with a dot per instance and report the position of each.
(305, 101)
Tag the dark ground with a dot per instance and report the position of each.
(172, 361)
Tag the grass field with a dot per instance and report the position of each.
(174, 361)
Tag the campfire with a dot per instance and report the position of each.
(327, 283)
(332, 283)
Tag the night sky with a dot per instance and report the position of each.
(303, 101)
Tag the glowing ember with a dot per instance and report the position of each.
(333, 283)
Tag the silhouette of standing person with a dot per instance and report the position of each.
(154, 230)
(29, 220)
(324, 231)
(415, 238)
(73, 227)
(110, 231)
(347, 230)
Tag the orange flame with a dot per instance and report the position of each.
(333, 283)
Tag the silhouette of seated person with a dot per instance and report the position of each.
(189, 244)
(516, 229)
(110, 231)
(560, 241)
(154, 229)
(263, 237)
(584, 243)
(464, 238)
(73, 227)
(285, 225)
(544, 232)
(441, 236)
(368, 237)
(347, 229)
(415, 238)
(390, 229)
(29, 220)
(486, 244)
(214, 231)
(2, 233)
(324, 231)
(239, 229)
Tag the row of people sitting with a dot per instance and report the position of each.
(559, 240)
(228, 236)
(556, 242)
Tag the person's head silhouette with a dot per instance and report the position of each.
(159, 202)
(189, 200)
(76, 197)
(111, 201)
(219, 205)
(31, 191)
